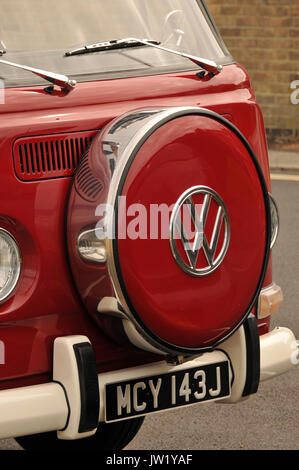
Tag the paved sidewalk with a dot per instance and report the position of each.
(284, 161)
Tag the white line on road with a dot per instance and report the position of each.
(282, 177)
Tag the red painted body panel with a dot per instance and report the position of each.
(45, 303)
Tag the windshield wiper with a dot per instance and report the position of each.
(62, 81)
(206, 64)
(110, 45)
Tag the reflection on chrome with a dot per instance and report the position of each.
(91, 248)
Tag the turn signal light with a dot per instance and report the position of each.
(269, 301)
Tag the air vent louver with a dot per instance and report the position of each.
(50, 156)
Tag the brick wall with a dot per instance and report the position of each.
(263, 35)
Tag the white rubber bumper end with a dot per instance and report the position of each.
(279, 352)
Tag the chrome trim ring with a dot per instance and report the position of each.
(7, 292)
(274, 220)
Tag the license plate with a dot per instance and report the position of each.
(146, 395)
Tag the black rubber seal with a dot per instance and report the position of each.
(89, 387)
(167, 347)
(253, 361)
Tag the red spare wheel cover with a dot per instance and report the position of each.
(192, 300)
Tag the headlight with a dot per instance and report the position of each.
(10, 264)
(274, 220)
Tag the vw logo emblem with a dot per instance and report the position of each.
(199, 231)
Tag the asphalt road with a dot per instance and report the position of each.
(268, 420)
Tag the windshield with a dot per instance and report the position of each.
(37, 33)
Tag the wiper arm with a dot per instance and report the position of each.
(206, 64)
(55, 78)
